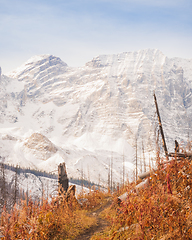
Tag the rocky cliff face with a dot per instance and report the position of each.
(103, 106)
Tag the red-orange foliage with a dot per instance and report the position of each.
(163, 210)
(55, 220)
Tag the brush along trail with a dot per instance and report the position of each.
(100, 225)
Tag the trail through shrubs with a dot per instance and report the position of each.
(163, 210)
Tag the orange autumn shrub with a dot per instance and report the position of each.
(94, 198)
(55, 220)
(163, 210)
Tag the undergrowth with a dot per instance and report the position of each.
(160, 211)
(58, 219)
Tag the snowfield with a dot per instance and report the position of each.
(92, 115)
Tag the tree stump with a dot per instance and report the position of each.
(62, 178)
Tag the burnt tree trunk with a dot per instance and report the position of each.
(62, 178)
(161, 127)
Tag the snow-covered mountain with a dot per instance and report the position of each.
(50, 112)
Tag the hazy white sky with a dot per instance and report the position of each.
(78, 30)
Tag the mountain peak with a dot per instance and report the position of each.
(113, 59)
(40, 59)
(37, 64)
(94, 113)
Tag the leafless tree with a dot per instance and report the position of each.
(15, 189)
(3, 187)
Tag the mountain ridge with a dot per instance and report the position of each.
(98, 110)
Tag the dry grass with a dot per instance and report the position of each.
(56, 220)
(161, 211)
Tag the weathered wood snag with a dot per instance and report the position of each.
(70, 192)
(136, 189)
(62, 178)
(176, 146)
(161, 127)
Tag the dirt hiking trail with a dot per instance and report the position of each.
(100, 225)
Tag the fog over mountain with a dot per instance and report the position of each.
(86, 116)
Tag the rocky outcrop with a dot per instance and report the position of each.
(41, 145)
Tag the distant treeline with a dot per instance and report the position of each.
(11, 194)
(37, 173)
(83, 182)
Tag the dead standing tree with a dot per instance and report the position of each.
(160, 127)
(3, 187)
(15, 189)
(62, 178)
(147, 174)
